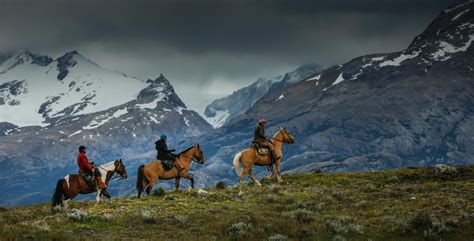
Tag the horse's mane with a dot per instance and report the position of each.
(108, 165)
(179, 154)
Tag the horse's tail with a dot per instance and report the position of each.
(140, 177)
(57, 198)
(236, 164)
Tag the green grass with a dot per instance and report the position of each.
(407, 204)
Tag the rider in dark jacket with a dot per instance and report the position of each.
(164, 155)
(260, 138)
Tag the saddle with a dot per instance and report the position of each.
(90, 179)
(261, 150)
(168, 167)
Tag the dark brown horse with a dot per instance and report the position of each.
(68, 187)
(150, 172)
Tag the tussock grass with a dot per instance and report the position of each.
(406, 204)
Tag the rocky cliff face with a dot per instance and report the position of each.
(222, 110)
(414, 107)
(85, 109)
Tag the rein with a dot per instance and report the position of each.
(115, 174)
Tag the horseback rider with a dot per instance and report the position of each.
(85, 167)
(167, 157)
(263, 141)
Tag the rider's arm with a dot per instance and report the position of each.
(85, 163)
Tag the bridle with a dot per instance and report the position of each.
(115, 174)
(193, 158)
(282, 141)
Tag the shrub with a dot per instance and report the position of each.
(305, 233)
(275, 188)
(221, 185)
(420, 221)
(147, 216)
(335, 227)
(355, 228)
(339, 196)
(300, 215)
(76, 214)
(240, 229)
(181, 219)
(271, 198)
(159, 192)
(278, 237)
(338, 238)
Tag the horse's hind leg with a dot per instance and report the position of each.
(149, 187)
(253, 178)
(177, 183)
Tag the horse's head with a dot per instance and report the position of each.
(287, 137)
(120, 168)
(199, 155)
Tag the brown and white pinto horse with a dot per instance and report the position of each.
(250, 157)
(68, 187)
(151, 172)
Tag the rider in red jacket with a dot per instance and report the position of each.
(86, 167)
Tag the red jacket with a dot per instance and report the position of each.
(83, 162)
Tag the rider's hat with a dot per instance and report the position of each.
(262, 121)
(81, 148)
(163, 137)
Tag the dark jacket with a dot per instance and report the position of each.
(259, 134)
(163, 152)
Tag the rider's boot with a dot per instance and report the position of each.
(102, 184)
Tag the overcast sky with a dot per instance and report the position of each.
(209, 48)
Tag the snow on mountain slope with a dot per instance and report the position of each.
(34, 89)
(223, 109)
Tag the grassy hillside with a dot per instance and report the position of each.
(408, 204)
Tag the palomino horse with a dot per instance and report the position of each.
(250, 157)
(150, 172)
(71, 185)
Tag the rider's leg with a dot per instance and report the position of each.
(271, 147)
(98, 177)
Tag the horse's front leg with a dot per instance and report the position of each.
(272, 172)
(177, 183)
(190, 178)
(277, 165)
(97, 196)
(105, 193)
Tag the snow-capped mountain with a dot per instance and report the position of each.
(408, 108)
(223, 109)
(36, 89)
(50, 107)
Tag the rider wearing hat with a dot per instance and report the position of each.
(164, 155)
(263, 141)
(86, 168)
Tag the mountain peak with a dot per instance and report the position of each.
(449, 25)
(69, 59)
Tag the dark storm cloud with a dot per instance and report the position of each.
(207, 41)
